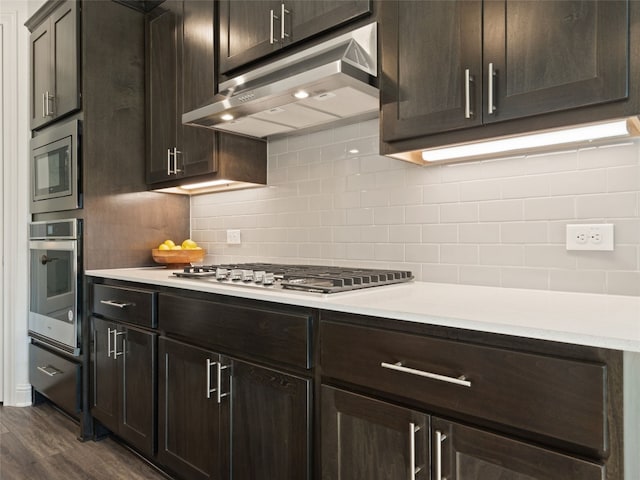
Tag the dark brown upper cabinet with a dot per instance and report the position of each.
(252, 29)
(449, 66)
(55, 56)
(181, 76)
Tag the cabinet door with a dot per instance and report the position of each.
(270, 424)
(554, 55)
(198, 76)
(188, 415)
(198, 84)
(136, 355)
(464, 453)
(104, 405)
(248, 31)
(162, 70)
(41, 68)
(66, 54)
(366, 438)
(304, 18)
(431, 67)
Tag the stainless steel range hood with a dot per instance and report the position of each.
(325, 83)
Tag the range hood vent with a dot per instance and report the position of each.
(326, 83)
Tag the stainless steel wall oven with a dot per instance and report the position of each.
(55, 270)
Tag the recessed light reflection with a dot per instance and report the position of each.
(301, 94)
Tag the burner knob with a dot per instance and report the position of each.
(236, 274)
(247, 276)
(258, 276)
(221, 273)
(268, 279)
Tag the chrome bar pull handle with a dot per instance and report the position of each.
(209, 389)
(272, 17)
(44, 111)
(283, 11)
(467, 93)
(113, 303)
(461, 380)
(220, 395)
(168, 161)
(413, 469)
(176, 170)
(108, 342)
(116, 334)
(48, 98)
(490, 89)
(440, 437)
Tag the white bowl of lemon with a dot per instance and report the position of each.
(176, 255)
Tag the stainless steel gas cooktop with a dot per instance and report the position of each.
(308, 278)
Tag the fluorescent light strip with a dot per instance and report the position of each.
(530, 141)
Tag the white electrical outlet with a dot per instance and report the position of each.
(596, 236)
(233, 237)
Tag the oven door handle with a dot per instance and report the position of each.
(113, 303)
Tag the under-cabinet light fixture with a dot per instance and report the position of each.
(227, 117)
(212, 183)
(620, 128)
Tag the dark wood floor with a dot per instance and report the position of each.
(41, 443)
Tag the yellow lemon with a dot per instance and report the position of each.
(163, 246)
(189, 244)
(169, 243)
(176, 247)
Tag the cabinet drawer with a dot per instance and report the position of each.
(131, 305)
(553, 397)
(56, 378)
(281, 337)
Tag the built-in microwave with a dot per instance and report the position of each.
(55, 168)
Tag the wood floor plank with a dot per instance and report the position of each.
(39, 442)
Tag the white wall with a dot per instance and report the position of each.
(499, 222)
(15, 213)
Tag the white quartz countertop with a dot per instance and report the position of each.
(609, 321)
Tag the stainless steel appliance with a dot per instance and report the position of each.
(55, 252)
(308, 278)
(55, 168)
(326, 83)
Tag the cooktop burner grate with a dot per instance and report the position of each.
(309, 278)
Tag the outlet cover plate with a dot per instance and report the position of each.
(592, 236)
(233, 237)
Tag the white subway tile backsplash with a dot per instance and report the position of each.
(608, 205)
(479, 233)
(501, 211)
(474, 275)
(421, 214)
(458, 212)
(459, 254)
(524, 232)
(422, 253)
(552, 208)
(512, 255)
(496, 222)
(405, 234)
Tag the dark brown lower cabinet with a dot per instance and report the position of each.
(363, 438)
(367, 438)
(221, 418)
(123, 361)
(189, 424)
(464, 453)
(270, 423)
